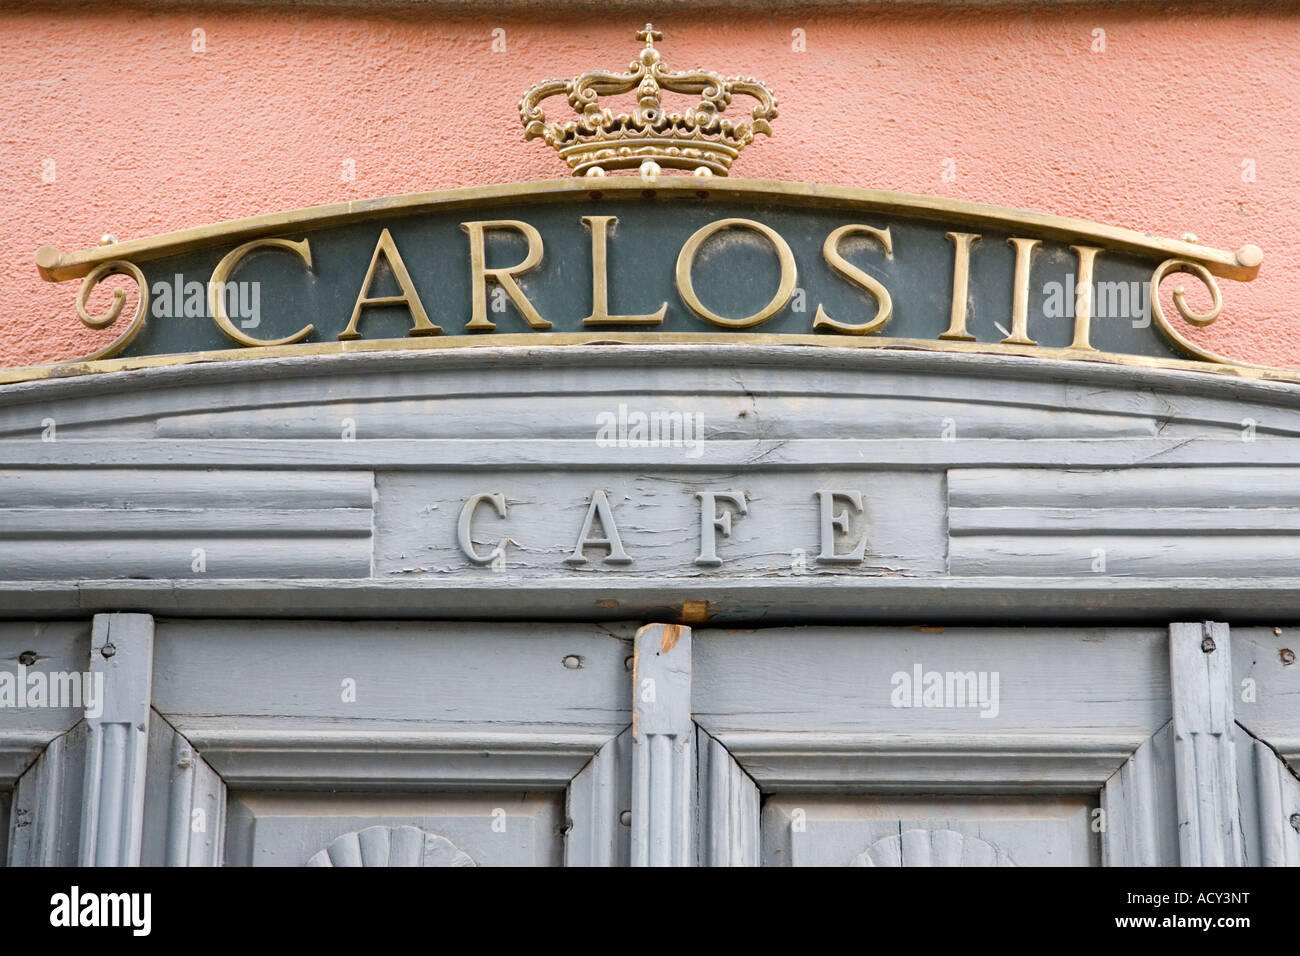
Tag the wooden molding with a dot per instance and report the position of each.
(20, 749)
(46, 804)
(1277, 810)
(597, 798)
(391, 760)
(1138, 804)
(956, 763)
(729, 804)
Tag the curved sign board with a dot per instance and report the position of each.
(621, 260)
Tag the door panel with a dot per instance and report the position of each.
(930, 831)
(940, 746)
(410, 743)
(853, 680)
(501, 829)
(391, 676)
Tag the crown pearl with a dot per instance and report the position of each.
(650, 171)
(702, 172)
(595, 171)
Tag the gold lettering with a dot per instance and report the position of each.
(480, 273)
(1083, 297)
(221, 275)
(1020, 294)
(388, 249)
(885, 305)
(686, 258)
(960, 282)
(599, 226)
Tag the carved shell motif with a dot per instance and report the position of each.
(920, 847)
(391, 846)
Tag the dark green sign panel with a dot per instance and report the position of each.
(568, 261)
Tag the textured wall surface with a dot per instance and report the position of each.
(1186, 122)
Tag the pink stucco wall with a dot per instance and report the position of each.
(1159, 132)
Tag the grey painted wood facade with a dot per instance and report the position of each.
(425, 582)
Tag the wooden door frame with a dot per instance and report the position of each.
(695, 790)
(1174, 797)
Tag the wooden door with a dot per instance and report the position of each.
(936, 746)
(402, 743)
(390, 743)
(1011, 746)
(323, 743)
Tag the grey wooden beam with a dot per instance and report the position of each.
(1205, 766)
(663, 748)
(522, 454)
(112, 821)
(89, 523)
(149, 394)
(620, 595)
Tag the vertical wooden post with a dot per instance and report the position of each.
(663, 748)
(112, 812)
(1205, 764)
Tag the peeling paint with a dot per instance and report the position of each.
(672, 634)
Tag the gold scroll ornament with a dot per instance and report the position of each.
(120, 267)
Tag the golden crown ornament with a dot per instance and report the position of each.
(650, 138)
